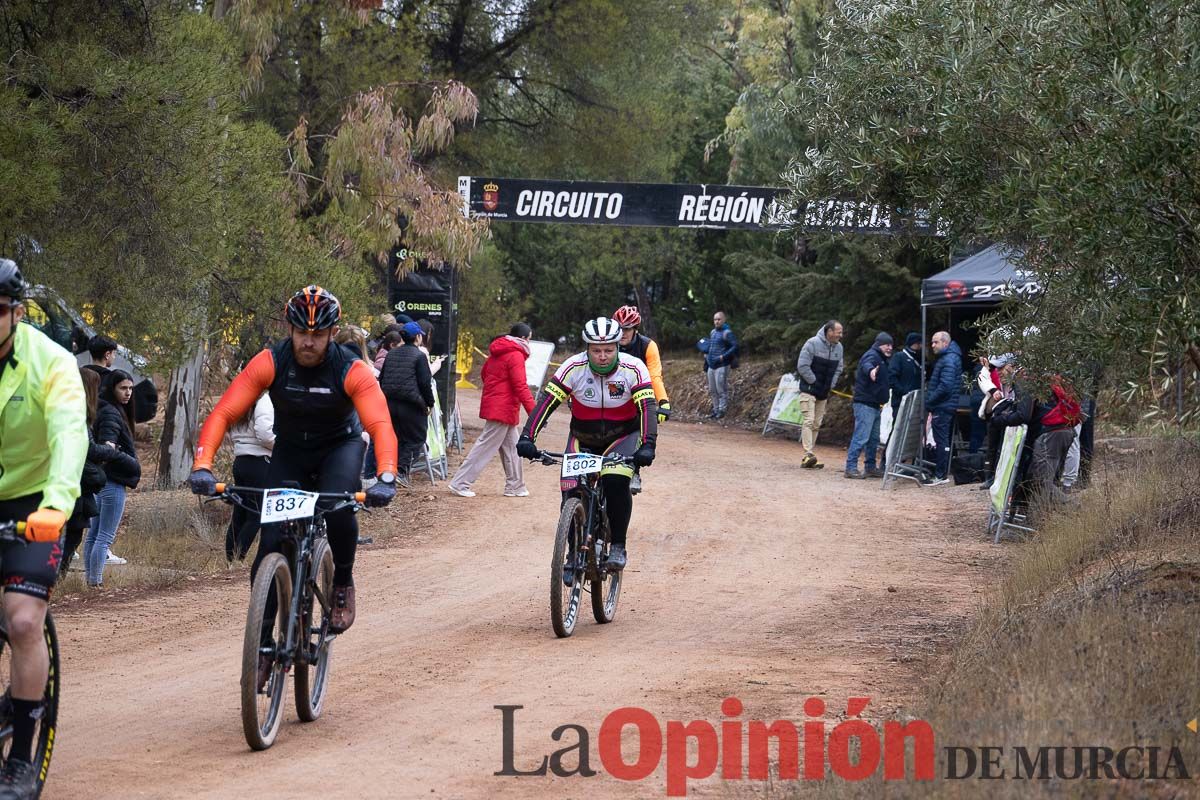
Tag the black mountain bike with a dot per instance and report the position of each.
(43, 739)
(581, 546)
(297, 633)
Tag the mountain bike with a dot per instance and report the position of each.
(280, 636)
(43, 738)
(581, 543)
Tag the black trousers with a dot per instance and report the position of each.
(411, 426)
(332, 467)
(243, 527)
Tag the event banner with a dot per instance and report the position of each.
(674, 205)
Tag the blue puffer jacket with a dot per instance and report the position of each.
(872, 392)
(945, 384)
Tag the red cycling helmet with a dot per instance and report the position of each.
(627, 317)
(313, 309)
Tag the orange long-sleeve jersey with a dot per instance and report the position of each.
(646, 349)
(259, 375)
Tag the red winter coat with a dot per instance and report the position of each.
(504, 389)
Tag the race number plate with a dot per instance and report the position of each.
(576, 464)
(280, 505)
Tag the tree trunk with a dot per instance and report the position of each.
(649, 326)
(180, 426)
(221, 8)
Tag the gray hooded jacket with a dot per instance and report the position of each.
(819, 366)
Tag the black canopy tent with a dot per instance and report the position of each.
(981, 281)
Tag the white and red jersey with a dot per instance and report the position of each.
(603, 407)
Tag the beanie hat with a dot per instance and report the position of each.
(912, 338)
(883, 338)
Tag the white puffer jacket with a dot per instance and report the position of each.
(255, 435)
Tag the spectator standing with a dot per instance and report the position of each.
(93, 478)
(818, 368)
(114, 427)
(408, 386)
(102, 350)
(720, 354)
(941, 400)
(871, 381)
(253, 438)
(504, 394)
(904, 370)
(390, 340)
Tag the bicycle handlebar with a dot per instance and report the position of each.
(13, 531)
(549, 458)
(229, 494)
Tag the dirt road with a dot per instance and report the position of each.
(749, 577)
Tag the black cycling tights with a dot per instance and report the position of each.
(620, 505)
(331, 468)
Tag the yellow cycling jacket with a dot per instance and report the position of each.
(43, 422)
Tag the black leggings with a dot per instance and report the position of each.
(615, 483)
(331, 468)
(243, 527)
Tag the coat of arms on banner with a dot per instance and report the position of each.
(491, 196)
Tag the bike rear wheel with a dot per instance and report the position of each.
(568, 540)
(263, 711)
(44, 735)
(312, 677)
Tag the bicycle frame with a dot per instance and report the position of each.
(299, 539)
(595, 508)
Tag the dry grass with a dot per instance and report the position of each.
(167, 537)
(1089, 640)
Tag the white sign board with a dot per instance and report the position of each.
(786, 406)
(538, 362)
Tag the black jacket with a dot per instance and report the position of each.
(867, 391)
(904, 371)
(405, 379)
(111, 427)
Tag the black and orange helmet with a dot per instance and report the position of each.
(313, 309)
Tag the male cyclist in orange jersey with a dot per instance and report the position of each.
(321, 390)
(643, 347)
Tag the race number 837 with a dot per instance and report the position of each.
(280, 505)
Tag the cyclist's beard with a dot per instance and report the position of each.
(599, 370)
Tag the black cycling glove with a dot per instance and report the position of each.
(527, 449)
(644, 456)
(202, 482)
(381, 494)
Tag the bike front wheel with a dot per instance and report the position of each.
(316, 642)
(605, 590)
(266, 636)
(44, 734)
(567, 566)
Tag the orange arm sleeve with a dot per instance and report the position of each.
(654, 364)
(238, 399)
(372, 410)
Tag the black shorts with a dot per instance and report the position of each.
(30, 568)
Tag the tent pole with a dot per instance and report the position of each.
(924, 347)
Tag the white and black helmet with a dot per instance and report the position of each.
(602, 330)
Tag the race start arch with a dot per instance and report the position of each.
(680, 205)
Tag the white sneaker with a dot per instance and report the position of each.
(113, 558)
(520, 493)
(937, 481)
(462, 492)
